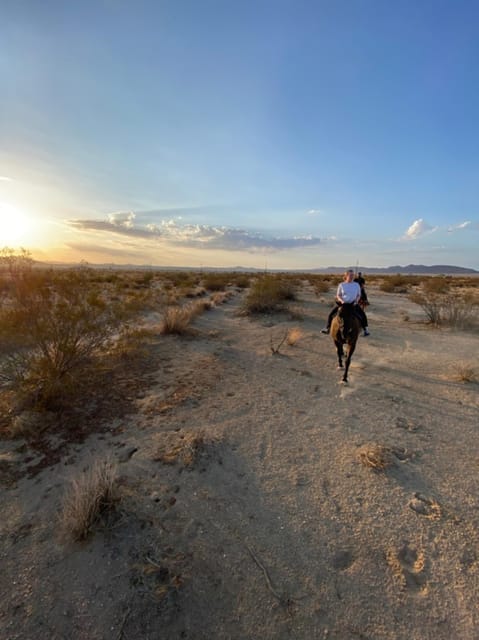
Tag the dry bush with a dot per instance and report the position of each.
(294, 336)
(320, 284)
(452, 309)
(398, 283)
(89, 495)
(436, 284)
(216, 281)
(376, 457)
(241, 281)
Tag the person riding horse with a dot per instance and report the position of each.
(348, 292)
(361, 282)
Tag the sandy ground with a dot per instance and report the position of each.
(276, 529)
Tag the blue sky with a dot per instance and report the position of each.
(217, 133)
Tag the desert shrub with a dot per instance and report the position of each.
(88, 497)
(456, 310)
(321, 286)
(268, 294)
(216, 281)
(437, 284)
(398, 283)
(52, 325)
(181, 278)
(242, 281)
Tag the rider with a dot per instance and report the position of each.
(361, 282)
(348, 291)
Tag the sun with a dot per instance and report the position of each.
(15, 226)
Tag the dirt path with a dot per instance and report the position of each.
(277, 530)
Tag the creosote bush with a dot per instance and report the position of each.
(268, 294)
(454, 309)
(52, 325)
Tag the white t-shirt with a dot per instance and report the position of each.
(349, 291)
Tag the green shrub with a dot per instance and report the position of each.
(268, 294)
(52, 325)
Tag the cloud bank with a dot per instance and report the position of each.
(198, 236)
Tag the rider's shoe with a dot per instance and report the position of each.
(366, 332)
(325, 330)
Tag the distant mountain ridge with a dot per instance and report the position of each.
(410, 269)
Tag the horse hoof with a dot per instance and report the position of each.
(340, 366)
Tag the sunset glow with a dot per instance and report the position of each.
(16, 228)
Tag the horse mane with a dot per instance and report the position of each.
(348, 322)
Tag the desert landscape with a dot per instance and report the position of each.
(249, 493)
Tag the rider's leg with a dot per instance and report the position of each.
(332, 313)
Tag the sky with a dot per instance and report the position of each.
(265, 134)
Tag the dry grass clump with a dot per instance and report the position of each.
(176, 320)
(186, 449)
(220, 297)
(464, 372)
(294, 336)
(376, 456)
(88, 497)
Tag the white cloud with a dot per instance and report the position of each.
(5, 179)
(418, 228)
(122, 219)
(459, 227)
(314, 212)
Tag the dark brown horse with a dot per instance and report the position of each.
(345, 330)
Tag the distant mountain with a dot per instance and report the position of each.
(410, 269)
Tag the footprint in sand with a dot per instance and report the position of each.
(426, 507)
(408, 566)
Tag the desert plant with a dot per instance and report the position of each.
(451, 309)
(88, 496)
(216, 281)
(186, 448)
(54, 324)
(398, 283)
(376, 457)
(464, 372)
(268, 294)
(294, 335)
(176, 320)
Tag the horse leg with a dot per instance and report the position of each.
(339, 349)
(351, 349)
